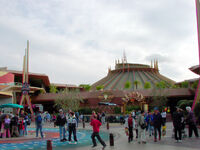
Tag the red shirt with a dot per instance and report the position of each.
(95, 124)
(130, 122)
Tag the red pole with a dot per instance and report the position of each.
(198, 19)
(49, 145)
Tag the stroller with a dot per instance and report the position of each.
(183, 131)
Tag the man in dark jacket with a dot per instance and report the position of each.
(177, 122)
(61, 121)
(14, 123)
(157, 122)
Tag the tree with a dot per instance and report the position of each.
(53, 89)
(161, 85)
(159, 94)
(127, 85)
(86, 87)
(99, 87)
(136, 83)
(147, 85)
(195, 84)
(185, 84)
(69, 100)
(183, 103)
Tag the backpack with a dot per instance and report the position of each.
(39, 119)
(28, 121)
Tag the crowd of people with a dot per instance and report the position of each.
(154, 123)
(143, 123)
(14, 125)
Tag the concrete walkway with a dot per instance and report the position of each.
(121, 140)
(166, 143)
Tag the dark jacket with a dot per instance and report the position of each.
(191, 118)
(177, 119)
(61, 120)
(14, 121)
(157, 120)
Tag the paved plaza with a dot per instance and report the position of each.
(121, 140)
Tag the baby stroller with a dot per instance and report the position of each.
(184, 135)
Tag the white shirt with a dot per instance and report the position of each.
(164, 114)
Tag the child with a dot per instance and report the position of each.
(72, 124)
(21, 126)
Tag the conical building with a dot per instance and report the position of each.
(136, 75)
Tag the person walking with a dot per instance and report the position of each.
(131, 125)
(6, 127)
(157, 122)
(191, 121)
(141, 128)
(14, 123)
(96, 125)
(149, 121)
(177, 122)
(72, 124)
(164, 116)
(61, 121)
(103, 118)
(38, 121)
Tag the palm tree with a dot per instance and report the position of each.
(136, 83)
(127, 85)
(147, 85)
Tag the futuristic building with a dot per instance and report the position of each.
(136, 74)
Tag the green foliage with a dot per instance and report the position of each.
(85, 110)
(99, 87)
(132, 107)
(69, 100)
(53, 89)
(184, 103)
(195, 84)
(42, 91)
(86, 87)
(175, 86)
(196, 110)
(136, 83)
(127, 85)
(147, 85)
(185, 84)
(161, 85)
(117, 110)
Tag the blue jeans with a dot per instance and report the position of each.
(25, 129)
(62, 132)
(150, 128)
(39, 127)
(21, 132)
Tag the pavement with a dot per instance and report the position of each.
(121, 140)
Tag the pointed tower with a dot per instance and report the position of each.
(25, 81)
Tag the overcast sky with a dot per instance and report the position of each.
(75, 41)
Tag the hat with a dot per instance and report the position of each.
(188, 108)
(60, 110)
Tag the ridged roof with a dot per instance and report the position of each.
(123, 72)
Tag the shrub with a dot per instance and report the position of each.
(117, 110)
(184, 103)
